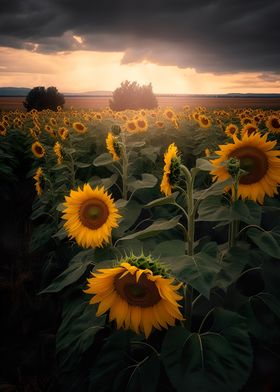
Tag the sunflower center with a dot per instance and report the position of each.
(143, 293)
(93, 213)
(253, 161)
(275, 123)
(39, 149)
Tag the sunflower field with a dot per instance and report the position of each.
(140, 250)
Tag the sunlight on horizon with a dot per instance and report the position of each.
(83, 71)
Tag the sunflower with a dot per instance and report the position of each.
(204, 121)
(113, 146)
(37, 178)
(258, 159)
(38, 150)
(136, 295)
(57, 151)
(231, 129)
(142, 124)
(171, 170)
(79, 127)
(159, 124)
(3, 130)
(90, 216)
(169, 114)
(246, 120)
(131, 126)
(249, 129)
(53, 121)
(63, 133)
(273, 124)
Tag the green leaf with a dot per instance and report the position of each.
(163, 201)
(82, 165)
(103, 160)
(155, 228)
(267, 241)
(218, 360)
(213, 210)
(203, 164)
(73, 273)
(77, 330)
(233, 263)
(216, 189)
(246, 211)
(138, 144)
(169, 248)
(148, 181)
(60, 234)
(199, 270)
(263, 316)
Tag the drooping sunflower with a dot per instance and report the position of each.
(79, 127)
(113, 146)
(37, 177)
(171, 170)
(90, 216)
(38, 150)
(136, 295)
(58, 153)
(273, 124)
(258, 159)
(231, 129)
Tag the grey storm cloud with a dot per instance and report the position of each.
(219, 36)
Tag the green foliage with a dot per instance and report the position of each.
(130, 95)
(216, 360)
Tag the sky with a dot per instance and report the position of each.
(180, 46)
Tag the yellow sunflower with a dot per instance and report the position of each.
(204, 121)
(159, 124)
(3, 130)
(63, 133)
(38, 150)
(112, 146)
(131, 126)
(79, 127)
(169, 114)
(142, 124)
(57, 151)
(136, 297)
(273, 124)
(171, 170)
(37, 178)
(231, 129)
(249, 129)
(258, 159)
(90, 216)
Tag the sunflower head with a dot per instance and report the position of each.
(249, 129)
(137, 293)
(38, 150)
(63, 133)
(90, 216)
(58, 153)
(38, 181)
(204, 121)
(231, 129)
(171, 170)
(3, 130)
(113, 146)
(259, 162)
(142, 124)
(273, 124)
(79, 127)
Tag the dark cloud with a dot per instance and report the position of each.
(220, 36)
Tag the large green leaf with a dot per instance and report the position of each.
(163, 201)
(218, 360)
(77, 330)
(233, 263)
(246, 211)
(155, 228)
(148, 181)
(199, 270)
(263, 316)
(78, 266)
(217, 188)
(267, 241)
(212, 209)
(103, 160)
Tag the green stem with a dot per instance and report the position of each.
(234, 225)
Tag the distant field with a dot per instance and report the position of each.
(97, 102)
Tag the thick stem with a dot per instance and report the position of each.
(234, 225)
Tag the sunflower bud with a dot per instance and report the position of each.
(233, 166)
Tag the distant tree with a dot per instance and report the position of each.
(41, 98)
(130, 95)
